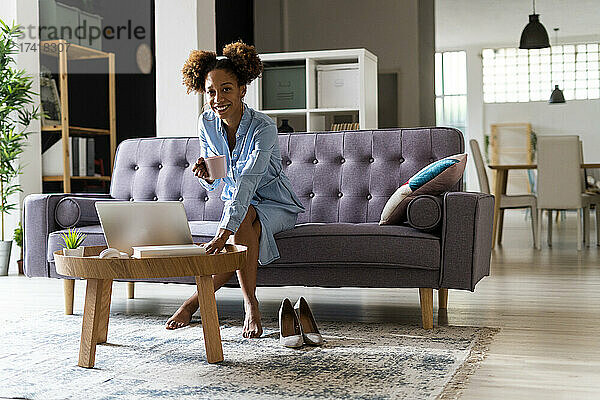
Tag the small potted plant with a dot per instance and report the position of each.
(18, 238)
(73, 240)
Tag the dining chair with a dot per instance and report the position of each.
(559, 185)
(591, 199)
(506, 201)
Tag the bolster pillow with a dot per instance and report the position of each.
(77, 211)
(425, 212)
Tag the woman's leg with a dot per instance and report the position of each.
(248, 234)
(247, 278)
(183, 315)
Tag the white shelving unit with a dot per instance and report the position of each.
(312, 118)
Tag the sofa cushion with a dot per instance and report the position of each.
(349, 176)
(366, 244)
(435, 178)
(202, 231)
(338, 176)
(357, 245)
(150, 169)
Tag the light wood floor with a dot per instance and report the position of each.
(546, 302)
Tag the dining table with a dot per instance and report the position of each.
(500, 187)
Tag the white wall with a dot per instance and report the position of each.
(25, 12)
(575, 117)
(465, 25)
(580, 117)
(399, 32)
(481, 22)
(190, 25)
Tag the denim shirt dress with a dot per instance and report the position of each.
(254, 176)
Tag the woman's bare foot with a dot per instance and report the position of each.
(252, 325)
(181, 318)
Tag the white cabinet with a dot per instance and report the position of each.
(348, 89)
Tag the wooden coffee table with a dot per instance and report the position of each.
(100, 273)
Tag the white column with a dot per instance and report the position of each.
(475, 117)
(188, 26)
(25, 13)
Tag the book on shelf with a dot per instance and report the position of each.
(175, 250)
(82, 156)
(52, 159)
(91, 154)
(82, 152)
(345, 126)
(74, 156)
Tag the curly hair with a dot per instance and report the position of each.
(241, 60)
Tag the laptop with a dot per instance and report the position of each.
(143, 223)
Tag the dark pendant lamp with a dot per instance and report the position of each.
(534, 35)
(557, 96)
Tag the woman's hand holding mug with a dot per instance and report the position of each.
(211, 168)
(200, 170)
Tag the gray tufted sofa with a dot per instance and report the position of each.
(343, 179)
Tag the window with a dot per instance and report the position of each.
(518, 75)
(451, 89)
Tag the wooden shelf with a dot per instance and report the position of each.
(59, 178)
(66, 52)
(74, 51)
(77, 130)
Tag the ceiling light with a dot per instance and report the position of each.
(534, 35)
(557, 96)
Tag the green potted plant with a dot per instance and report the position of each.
(18, 238)
(73, 240)
(16, 113)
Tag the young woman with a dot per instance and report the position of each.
(259, 200)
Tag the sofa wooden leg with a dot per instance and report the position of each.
(443, 298)
(69, 289)
(426, 295)
(130, 290)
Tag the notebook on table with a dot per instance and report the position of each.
(173, 250)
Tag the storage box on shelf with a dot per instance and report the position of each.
(65, 52)
(284, 87)
(67, 19)
(340, 86)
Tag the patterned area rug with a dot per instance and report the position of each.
(38, 358)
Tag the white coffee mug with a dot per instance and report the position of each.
(217, 167)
